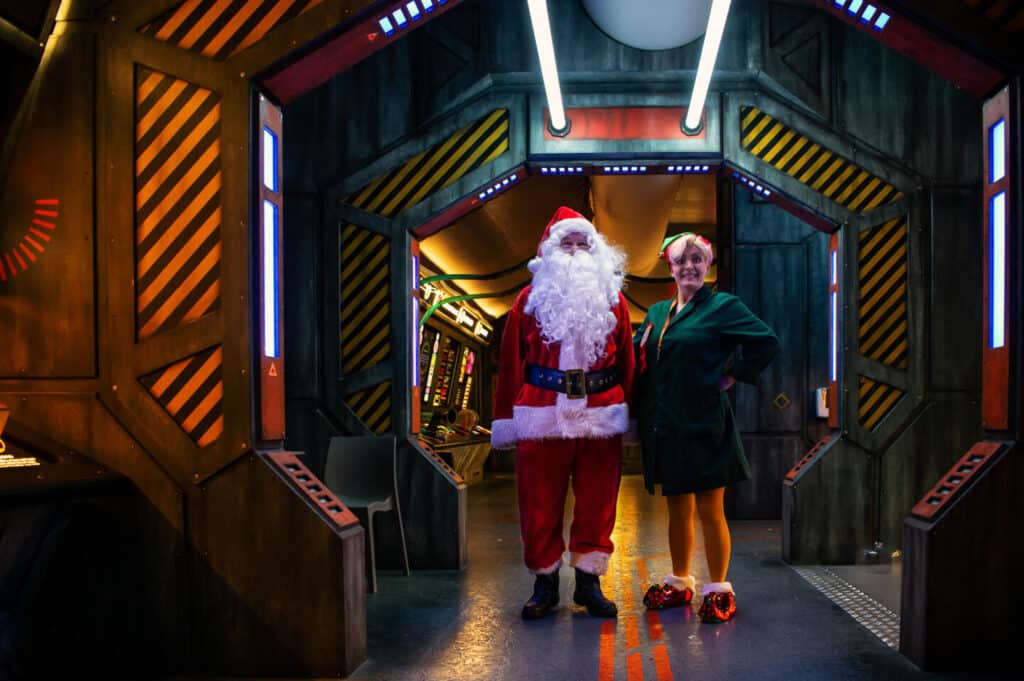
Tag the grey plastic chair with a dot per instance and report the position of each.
(361, 472)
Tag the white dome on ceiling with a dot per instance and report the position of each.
(651, 24)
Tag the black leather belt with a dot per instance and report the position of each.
(574, 383)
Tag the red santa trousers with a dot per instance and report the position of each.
(543, 471)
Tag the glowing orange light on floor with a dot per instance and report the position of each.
(606, 664)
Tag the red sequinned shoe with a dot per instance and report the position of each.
(672, 593)
(719, 605)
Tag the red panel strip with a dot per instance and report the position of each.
(808, 457)
(929, 51)
(969, 465)
(272, 414)
(47, 202)
(340, 53)
(625, 123)
(292, 468)
(995, 362)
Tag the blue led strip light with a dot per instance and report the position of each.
(753, 185)
(689, 169)
(490, 192)
(406, 14)
(866, 12)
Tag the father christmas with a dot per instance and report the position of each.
(565, 375)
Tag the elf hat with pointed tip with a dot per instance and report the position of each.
(703, 243)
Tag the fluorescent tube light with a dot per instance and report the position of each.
(708, 55)
(548, 68)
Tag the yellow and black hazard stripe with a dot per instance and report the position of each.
(874, 401)
(364, 286)
(373, 407)
(365, 302)
(177, 202)
(882, 293)
(222, 28)
(192, 392)
(810, 163)
(478, 143)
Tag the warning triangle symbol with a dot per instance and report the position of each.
(372, 36)
(273, 370)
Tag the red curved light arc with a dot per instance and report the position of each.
(34, 242)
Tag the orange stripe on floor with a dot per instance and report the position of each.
(634, 668)
(632, 633)
(654, 625)
(606, 662)
(661, 665)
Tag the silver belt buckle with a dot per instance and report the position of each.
(575, 384)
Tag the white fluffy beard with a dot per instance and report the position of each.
(572, 298)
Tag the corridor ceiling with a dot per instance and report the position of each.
(633, 212)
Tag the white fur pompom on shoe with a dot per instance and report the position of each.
(717, 588)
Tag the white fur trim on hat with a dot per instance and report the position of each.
(503, 433)
(592, 562)
(717, 588)
(680, 583)
(570, 226)
(549, 569)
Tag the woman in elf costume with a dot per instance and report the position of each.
(690, 350)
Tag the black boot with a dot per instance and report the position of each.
(544, 599)
(588, 594)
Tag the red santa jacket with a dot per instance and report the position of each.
(526, 412)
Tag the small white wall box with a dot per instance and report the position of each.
(821, 402)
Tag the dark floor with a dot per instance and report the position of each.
(441, 625)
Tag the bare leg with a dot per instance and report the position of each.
(680, 532)
(717, 542)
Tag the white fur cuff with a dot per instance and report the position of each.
(717, 588)
(680, 583)
(549, 569)
(503, 433)
(540, 423)
(592, 562)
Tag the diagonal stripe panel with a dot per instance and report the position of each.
(476, 144)
(364, 300)
(191, 392)
(364, 285)
(820, 169)
(373, 407)
(177, 202)
(222, 28)
(882, 293)
(874, 401)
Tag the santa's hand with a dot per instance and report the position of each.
(631, 436)
(726, 382)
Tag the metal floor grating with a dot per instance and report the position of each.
(869, 613)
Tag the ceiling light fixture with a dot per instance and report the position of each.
(693, 124)
(558, 123)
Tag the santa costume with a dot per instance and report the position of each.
(565, 375)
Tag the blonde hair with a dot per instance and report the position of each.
(682, 243)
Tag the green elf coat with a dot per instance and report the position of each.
(687, 428)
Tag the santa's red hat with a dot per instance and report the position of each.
(566, 221)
